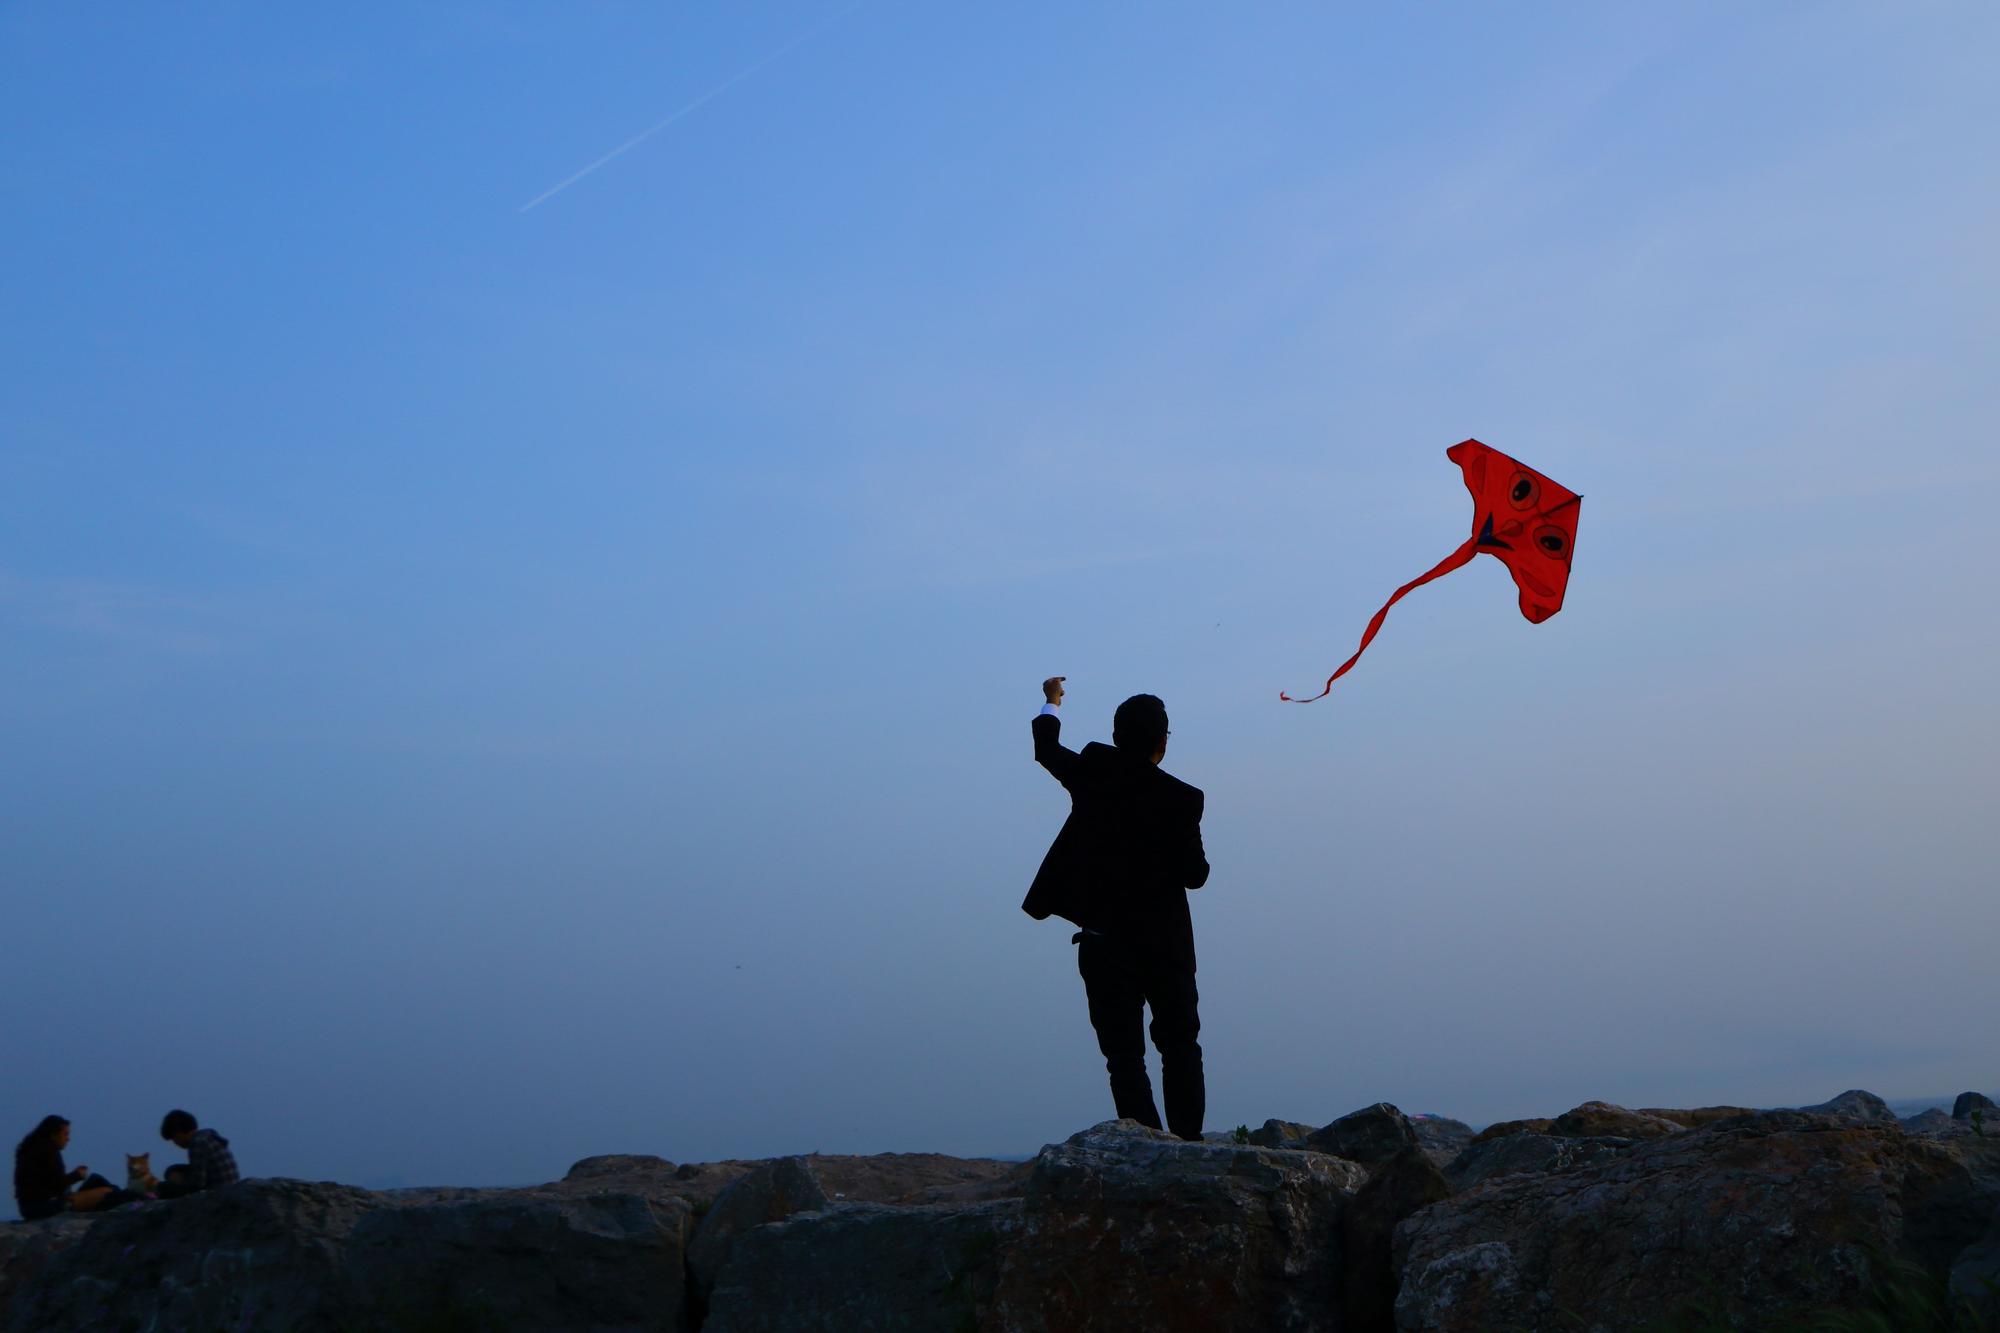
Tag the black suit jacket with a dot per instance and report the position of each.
(1129, 850)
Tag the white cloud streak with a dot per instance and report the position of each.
(689, 109)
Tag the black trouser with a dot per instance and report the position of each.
(1120, 981)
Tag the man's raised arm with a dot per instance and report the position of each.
(1050, 752)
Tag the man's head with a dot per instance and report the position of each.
(178, 1128)
(1140, 726)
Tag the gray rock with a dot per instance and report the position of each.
(1528, 1154)
(260, 1254)
(1369, 1136)
(1968, 1102)
(1441, 1137)
(1769, 1216)
(1856, 1104)
(1936, 1122)
(771, 1193)
(1503, 1128)
(524, 1259)
(912, 1177)
(1603, 1120)
(622, 1165)
(1125, 1227)
(1957, 1207)
(1281, 1134)
(1699, 1117)
(300, 1257)
(27, 1247)
(1975, 1275)
(916, 1269)
(1399, 1187)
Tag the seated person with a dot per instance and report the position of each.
(42, 1184)
(210, 1163)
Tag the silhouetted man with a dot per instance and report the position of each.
(1119, 870)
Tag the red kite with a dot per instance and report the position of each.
(1518, 515)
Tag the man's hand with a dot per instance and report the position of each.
(1052, 689)
(81, 1173)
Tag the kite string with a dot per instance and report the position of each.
(1444, 566)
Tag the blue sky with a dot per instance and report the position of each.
(481, 687)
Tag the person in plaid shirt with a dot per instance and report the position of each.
(210, 1163)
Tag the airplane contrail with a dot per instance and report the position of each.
(709, 96)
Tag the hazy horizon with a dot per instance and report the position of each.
(494, 671)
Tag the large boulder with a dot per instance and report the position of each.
(260, 1254)
(1281, 1134)
(26, 1249)
(302, 1257)
(771, 1193)
(1968, 1102)
(1503, 1128)
(1441, 1137)
(620, 1166)
(1602, 1120)
(1855, 1104)
(1771, 1216)
(1935, 1122)
(1698, 1117)
(1518, 1154)
(1406, 1182)
(1369, 1136)
(924, 1268)
(537, 1258)
(1975, 1275)
(1125, 1227)
(917, 1177)
(781, 1188)
(696, 1183)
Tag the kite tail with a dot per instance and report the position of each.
(1444, 566)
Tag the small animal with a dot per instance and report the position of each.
(139, 1177)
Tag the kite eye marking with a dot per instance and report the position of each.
(1523, 492)
(1552, 540)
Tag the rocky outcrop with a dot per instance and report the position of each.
(925, 1268)
(1697, 1117)
(1975, 1274)
(1441, 1137)
(1501, 1129)
(521, 1259)
(1771, 1215)
(1281, 1134)
(1518, 1154)
(771, 1193)
(294, 1255)
(1125, 1227)
(910, 1177)
(1602, 1120)
(1854, 1104)
(1399, 1187)
(1369, 1136)
(1968, 1102)
(195, 1263)
(1764, 1216)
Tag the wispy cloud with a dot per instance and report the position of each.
(699, 102)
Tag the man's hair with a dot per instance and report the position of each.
(1140, 724)
(177, 1122)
